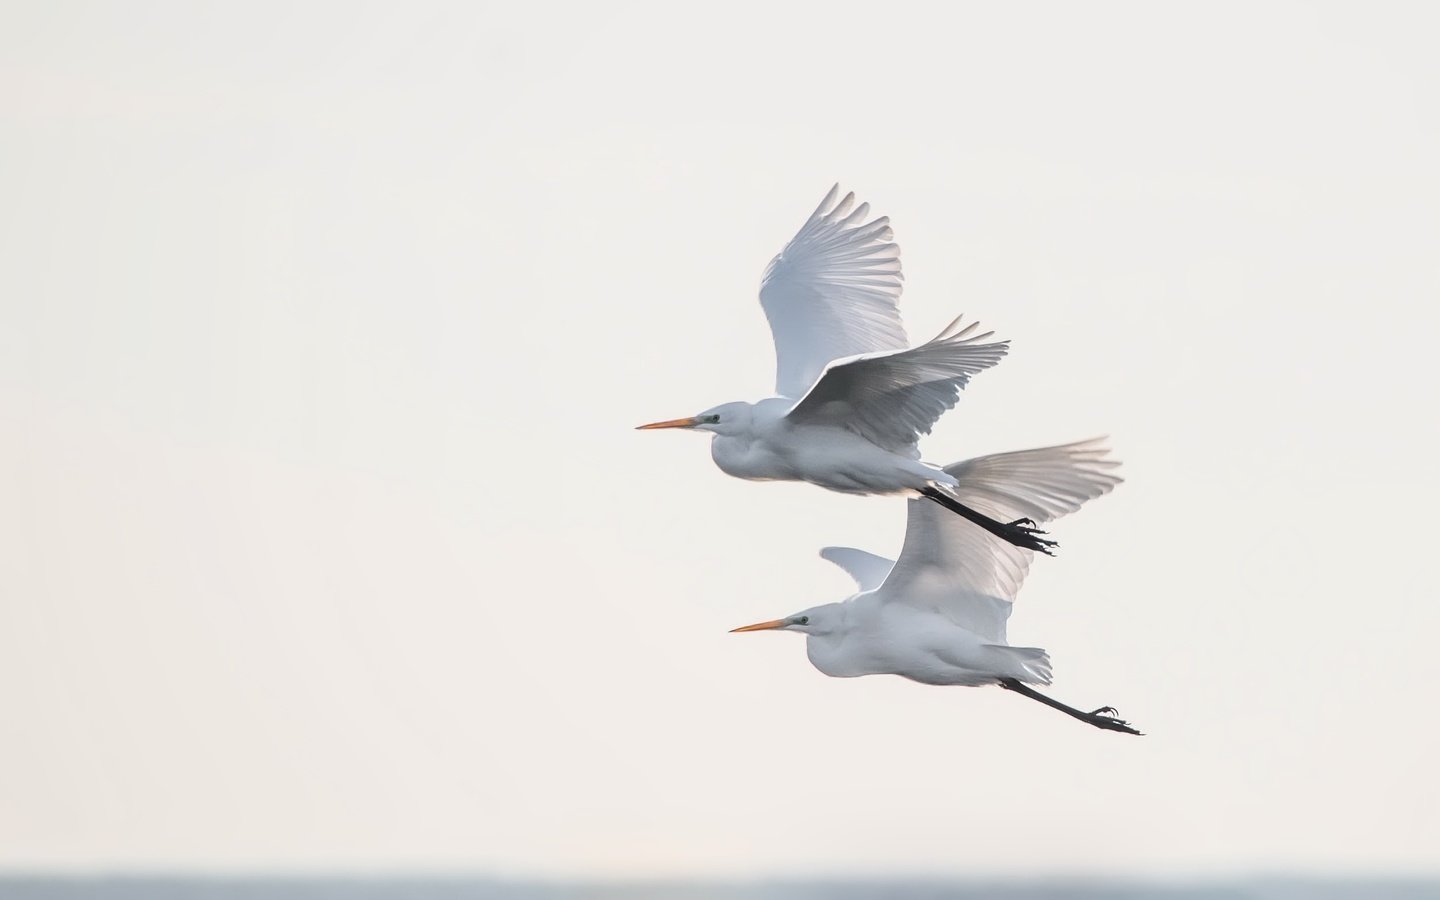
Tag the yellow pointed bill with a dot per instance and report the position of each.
(761, 626)
(691, 422)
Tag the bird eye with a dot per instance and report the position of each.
(712, 419)
(803, 620)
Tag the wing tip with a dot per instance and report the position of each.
(955, 334)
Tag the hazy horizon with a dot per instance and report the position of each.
(157, 887)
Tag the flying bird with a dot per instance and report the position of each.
(937, 615)
(852, 397)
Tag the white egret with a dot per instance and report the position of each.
(937, 614)
(852, 400)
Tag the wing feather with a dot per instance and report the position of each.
(832, 292)
(891, 399)
(951, 566)
(868, 569)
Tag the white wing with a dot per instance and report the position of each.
(949, 565)
(867, 569)
(891, 399)
(833, 291)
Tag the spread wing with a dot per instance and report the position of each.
(867, 569)
(833, 291)
(949, 565)
(891, 399)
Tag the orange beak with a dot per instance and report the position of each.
(670, 423)
(761, 626)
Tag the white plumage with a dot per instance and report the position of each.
(852, 398)
(832, 291)
(937, 615)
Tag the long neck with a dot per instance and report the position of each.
(829, 651)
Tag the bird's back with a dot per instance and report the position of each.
(831, 456)
(926, 646)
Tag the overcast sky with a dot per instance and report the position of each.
(326, 540)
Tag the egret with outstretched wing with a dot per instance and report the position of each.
(853, 398)
(937, 615)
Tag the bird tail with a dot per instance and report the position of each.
(1030, 665)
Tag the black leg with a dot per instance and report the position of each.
(1104, 717)
(1021, 532)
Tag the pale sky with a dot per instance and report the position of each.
(328, 543)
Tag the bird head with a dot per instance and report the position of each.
(815, 620)
(727, 418)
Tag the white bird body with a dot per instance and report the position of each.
(776, 448)
(938, 614)
(878, 638)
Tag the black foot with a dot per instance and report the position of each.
(1104, 717)
(1022, 533)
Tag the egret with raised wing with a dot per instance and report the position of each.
(937, 615)
(853, 398)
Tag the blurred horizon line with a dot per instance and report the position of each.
(11, 874)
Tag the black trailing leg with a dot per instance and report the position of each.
(1021, 532)
(1104, 717)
